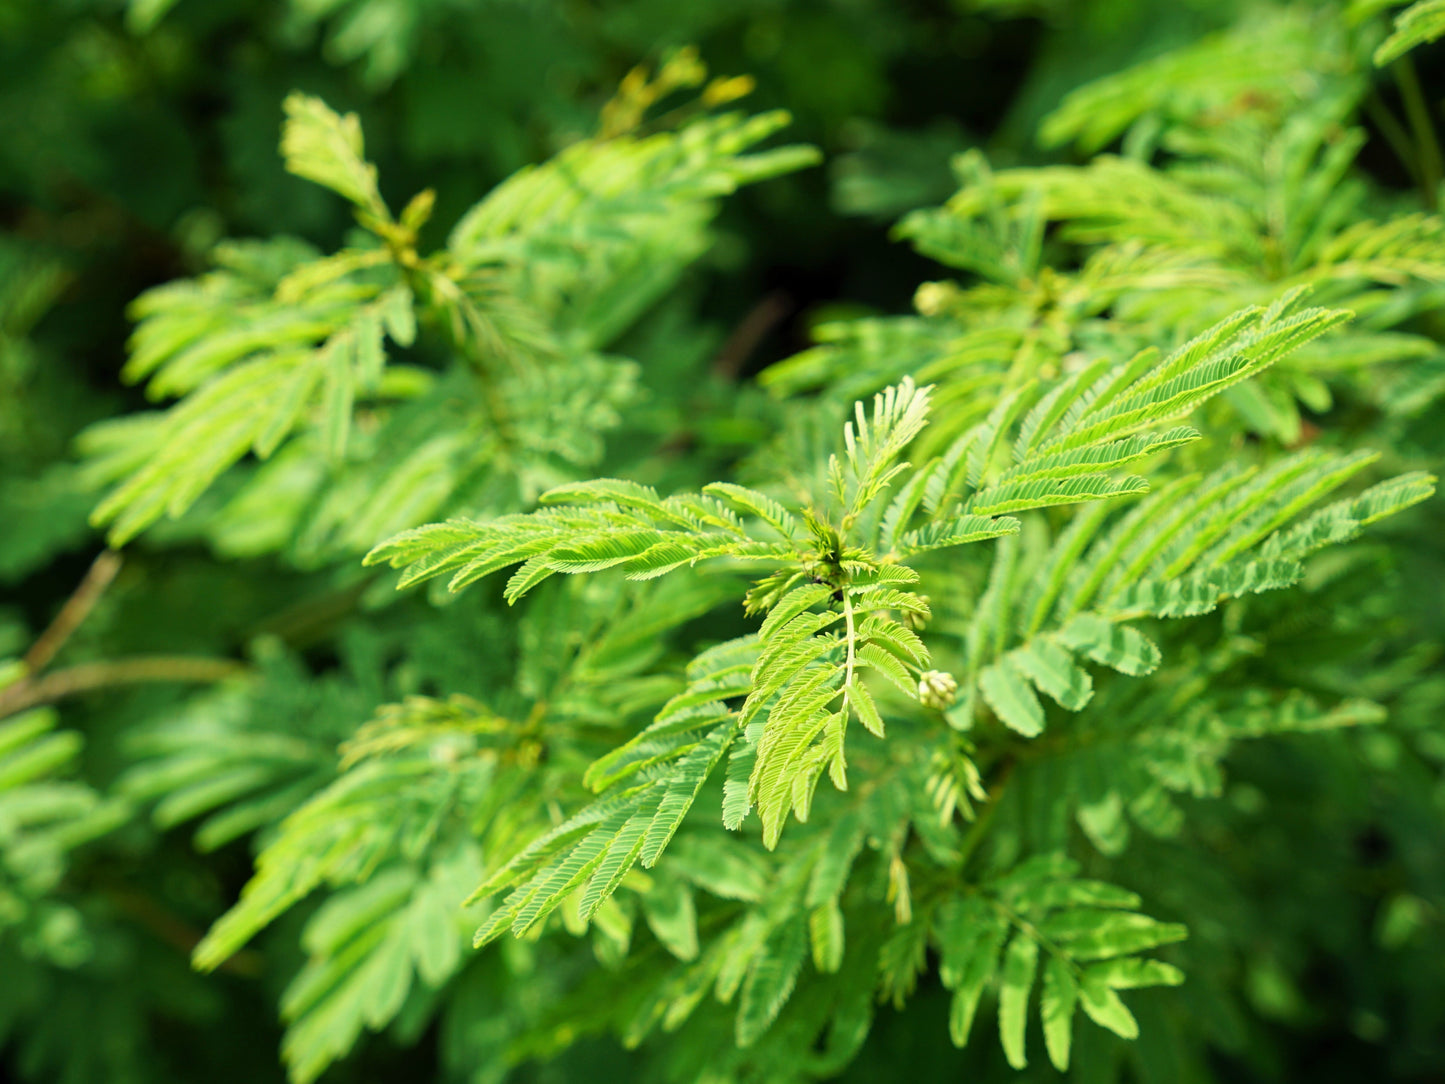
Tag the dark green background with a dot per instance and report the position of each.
(125, 151)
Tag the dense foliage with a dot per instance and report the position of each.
(499, 588)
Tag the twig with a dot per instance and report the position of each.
(175, 931)
(979, 828)
(77, 607)
(88, 677)
(312, 619)
(749, 332)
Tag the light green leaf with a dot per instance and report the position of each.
(1012, 698)
(1053, 670)
(955, 532)
(1016, 981)
(1420, 23)
(861, 700)
(970, 938)
(751, 502)
(337, 359)
(1060, 995)
(1134, 972)
(1106, 1009)
(770, 980)
(672, 917)
(825, 931)
(1090, 934)
(326, 147)
(1117, 646)
(1020, 496)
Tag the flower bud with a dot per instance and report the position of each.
(937, 689)
(914, 620)
(932, 298)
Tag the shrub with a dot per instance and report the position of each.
(1068, 636)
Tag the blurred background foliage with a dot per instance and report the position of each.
(134, 136)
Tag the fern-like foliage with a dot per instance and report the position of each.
(383, 809)
(840, 560)
(1262, 56)
(368, 949)
(229, 761)
(1078, 940)
(808, 674)
(388, 835)
(1179, 552)
(43, 818)
(1218, 201)
(392, 833)
(275, 336)
(840, 596)
(1030, 574)
(1420, 23)
(1123, 772)
(282, 343)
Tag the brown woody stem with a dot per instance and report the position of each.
(91, 676)
(75, 610)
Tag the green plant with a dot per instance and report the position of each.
(1093, 587)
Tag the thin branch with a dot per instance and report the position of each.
(1427, 147)
(92, 676)
(745, 337)
(178, 933)
(75, 610)
(1395, 134)
(979, 828)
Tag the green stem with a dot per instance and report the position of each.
(980, 825)
(1395, 134)
(1427, 146)
(462, 318)
(852, 645)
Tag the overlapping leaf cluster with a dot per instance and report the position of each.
(292, 356)
(1091, 573)
(841, 602)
